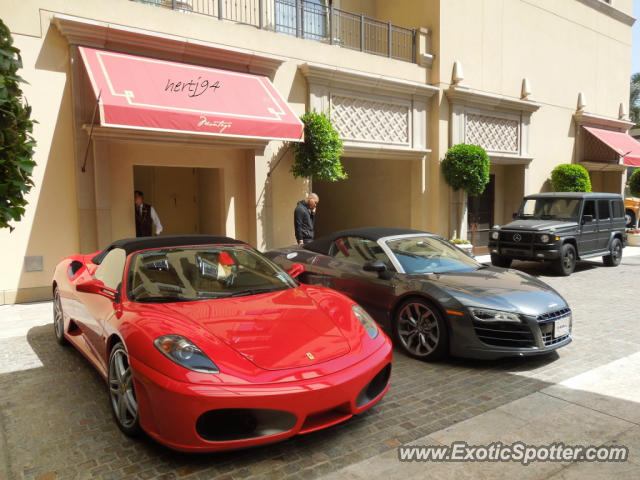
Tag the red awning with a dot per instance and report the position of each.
(623, 144)
(151, 94)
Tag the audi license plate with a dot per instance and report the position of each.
(561, 327)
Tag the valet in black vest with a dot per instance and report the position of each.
(146, 217)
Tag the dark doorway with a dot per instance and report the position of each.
(480, 217)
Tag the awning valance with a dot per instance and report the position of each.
(622, 144)
(151, 94)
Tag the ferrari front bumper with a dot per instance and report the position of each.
(183, 416)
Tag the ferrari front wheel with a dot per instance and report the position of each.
(122, 395)
(58, 318)
(420, 330)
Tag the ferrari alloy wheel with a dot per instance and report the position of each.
(420, 330)
(58, 318)
(121, 391)
(614, 258)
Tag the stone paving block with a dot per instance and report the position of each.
(54, 413)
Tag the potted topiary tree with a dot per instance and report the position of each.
(16, 152)
(570, 178)
(319, 155)
(634, 183)
(466, 169)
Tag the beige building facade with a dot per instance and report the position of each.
(402, 81)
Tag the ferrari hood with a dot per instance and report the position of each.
(275, 331)
(499, 289)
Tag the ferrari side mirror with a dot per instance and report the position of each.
(97, 287)
(296, 269)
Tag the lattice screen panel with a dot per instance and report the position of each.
(494, 134)
(363, 119)
(596, 151)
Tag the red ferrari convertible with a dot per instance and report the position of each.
(207, 345)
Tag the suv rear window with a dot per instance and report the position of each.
(603, 210)
(618, 210)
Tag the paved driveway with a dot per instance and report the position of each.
(55, 421)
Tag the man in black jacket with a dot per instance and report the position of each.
(303, 217)
(146, 217)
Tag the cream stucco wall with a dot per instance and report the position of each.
(562, 47)
(260, 207)
(49, 227)
(377, 193)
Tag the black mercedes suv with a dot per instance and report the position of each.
(562, 227)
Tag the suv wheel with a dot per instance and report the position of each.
(630, 218)
(566, 264)
(500, 261)
(614, 258)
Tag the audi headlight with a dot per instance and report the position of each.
(365, 319)
(486, 315)
(495, 234)
(544, 238)
(185, 353)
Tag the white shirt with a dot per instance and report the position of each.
(156, 221)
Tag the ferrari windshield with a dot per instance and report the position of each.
(424, 254)
(548, 208)
(205, 272)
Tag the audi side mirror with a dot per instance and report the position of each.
(374, 266)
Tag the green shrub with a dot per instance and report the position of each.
(466, 167)
(570, 178)
(319, 155)
(16, 142)
(634, 183)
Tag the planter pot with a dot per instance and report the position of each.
(467, 247)
(633, 239)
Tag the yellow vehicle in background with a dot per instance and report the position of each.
(631, 211)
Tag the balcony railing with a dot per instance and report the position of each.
(310, 19)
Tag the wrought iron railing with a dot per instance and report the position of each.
(310, 19)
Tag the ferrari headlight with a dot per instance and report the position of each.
(544, 238)
(486, 315)
(367, 322)
(185, 353)
(495, 234)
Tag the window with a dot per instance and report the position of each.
(603, 210)
(358, 250)
(617, 208)
(200, 273)
(304, 18)
(589, 208)
(111, 268)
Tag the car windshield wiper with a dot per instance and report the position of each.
(253, 291)
(161, 299)
(547, 217)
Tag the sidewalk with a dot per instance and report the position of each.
(627, 252)
(599, 407)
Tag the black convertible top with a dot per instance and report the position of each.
(322, 244)
(135, 244)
